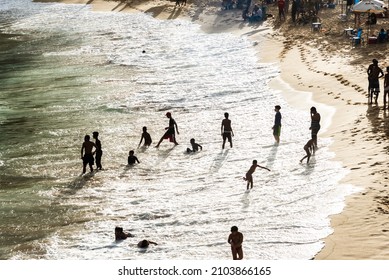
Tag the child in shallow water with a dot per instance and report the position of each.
(195, 146)
(120, 234)
(145, 243)
(249, 174)
(132, 159)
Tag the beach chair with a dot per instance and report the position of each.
(357, 39)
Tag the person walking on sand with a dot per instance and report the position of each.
(374, 72)
(277, 124)
(235, 239)
(145, 136)
(249, 174)
(87, 154)
(315, 125)
(132, 159)
(309, 148)
(226, 130)
(170, 131)
(98, 151)
(386, 87)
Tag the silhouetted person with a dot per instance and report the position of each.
(226, 130)
(145, 243)
(145, 136)
(87, 154)
(195, 146)
(374, 72)
(170, 131)
(236, 239)
(315, 125)
(249, 174)
(131, 158)
(386, 87)
(120, 234)
(309, 148)
(277, 124)
(98, 151)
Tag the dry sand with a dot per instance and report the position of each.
(319, 69)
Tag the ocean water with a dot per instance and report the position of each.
(67, 71)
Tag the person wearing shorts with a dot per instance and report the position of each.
(226, 130)
(87, 154)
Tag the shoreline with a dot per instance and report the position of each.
(319, 75)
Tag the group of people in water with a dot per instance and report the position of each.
(88, 155)
(91, 151)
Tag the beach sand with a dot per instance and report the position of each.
(322, 69)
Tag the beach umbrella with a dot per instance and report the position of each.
(368, 6)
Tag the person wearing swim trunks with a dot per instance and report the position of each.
(87, 154)
(374, 72)
(315, 125)
(249, 174)
(170, 131)
(235, 239)
(277, 124)
(98, 151)
(226, 130)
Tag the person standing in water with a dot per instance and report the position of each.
(235, 239)
(374, 72)
(98, 151)
(170, 131)
(249, 174)
(277, 124)
(87, 154)
(315, 125)
(226, 130)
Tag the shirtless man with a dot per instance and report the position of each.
(315, 125)
(170, 131)
(226, 130)
(374, 72)
(98, 151)
(235, 239)
(249, 174)
(87, 154)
